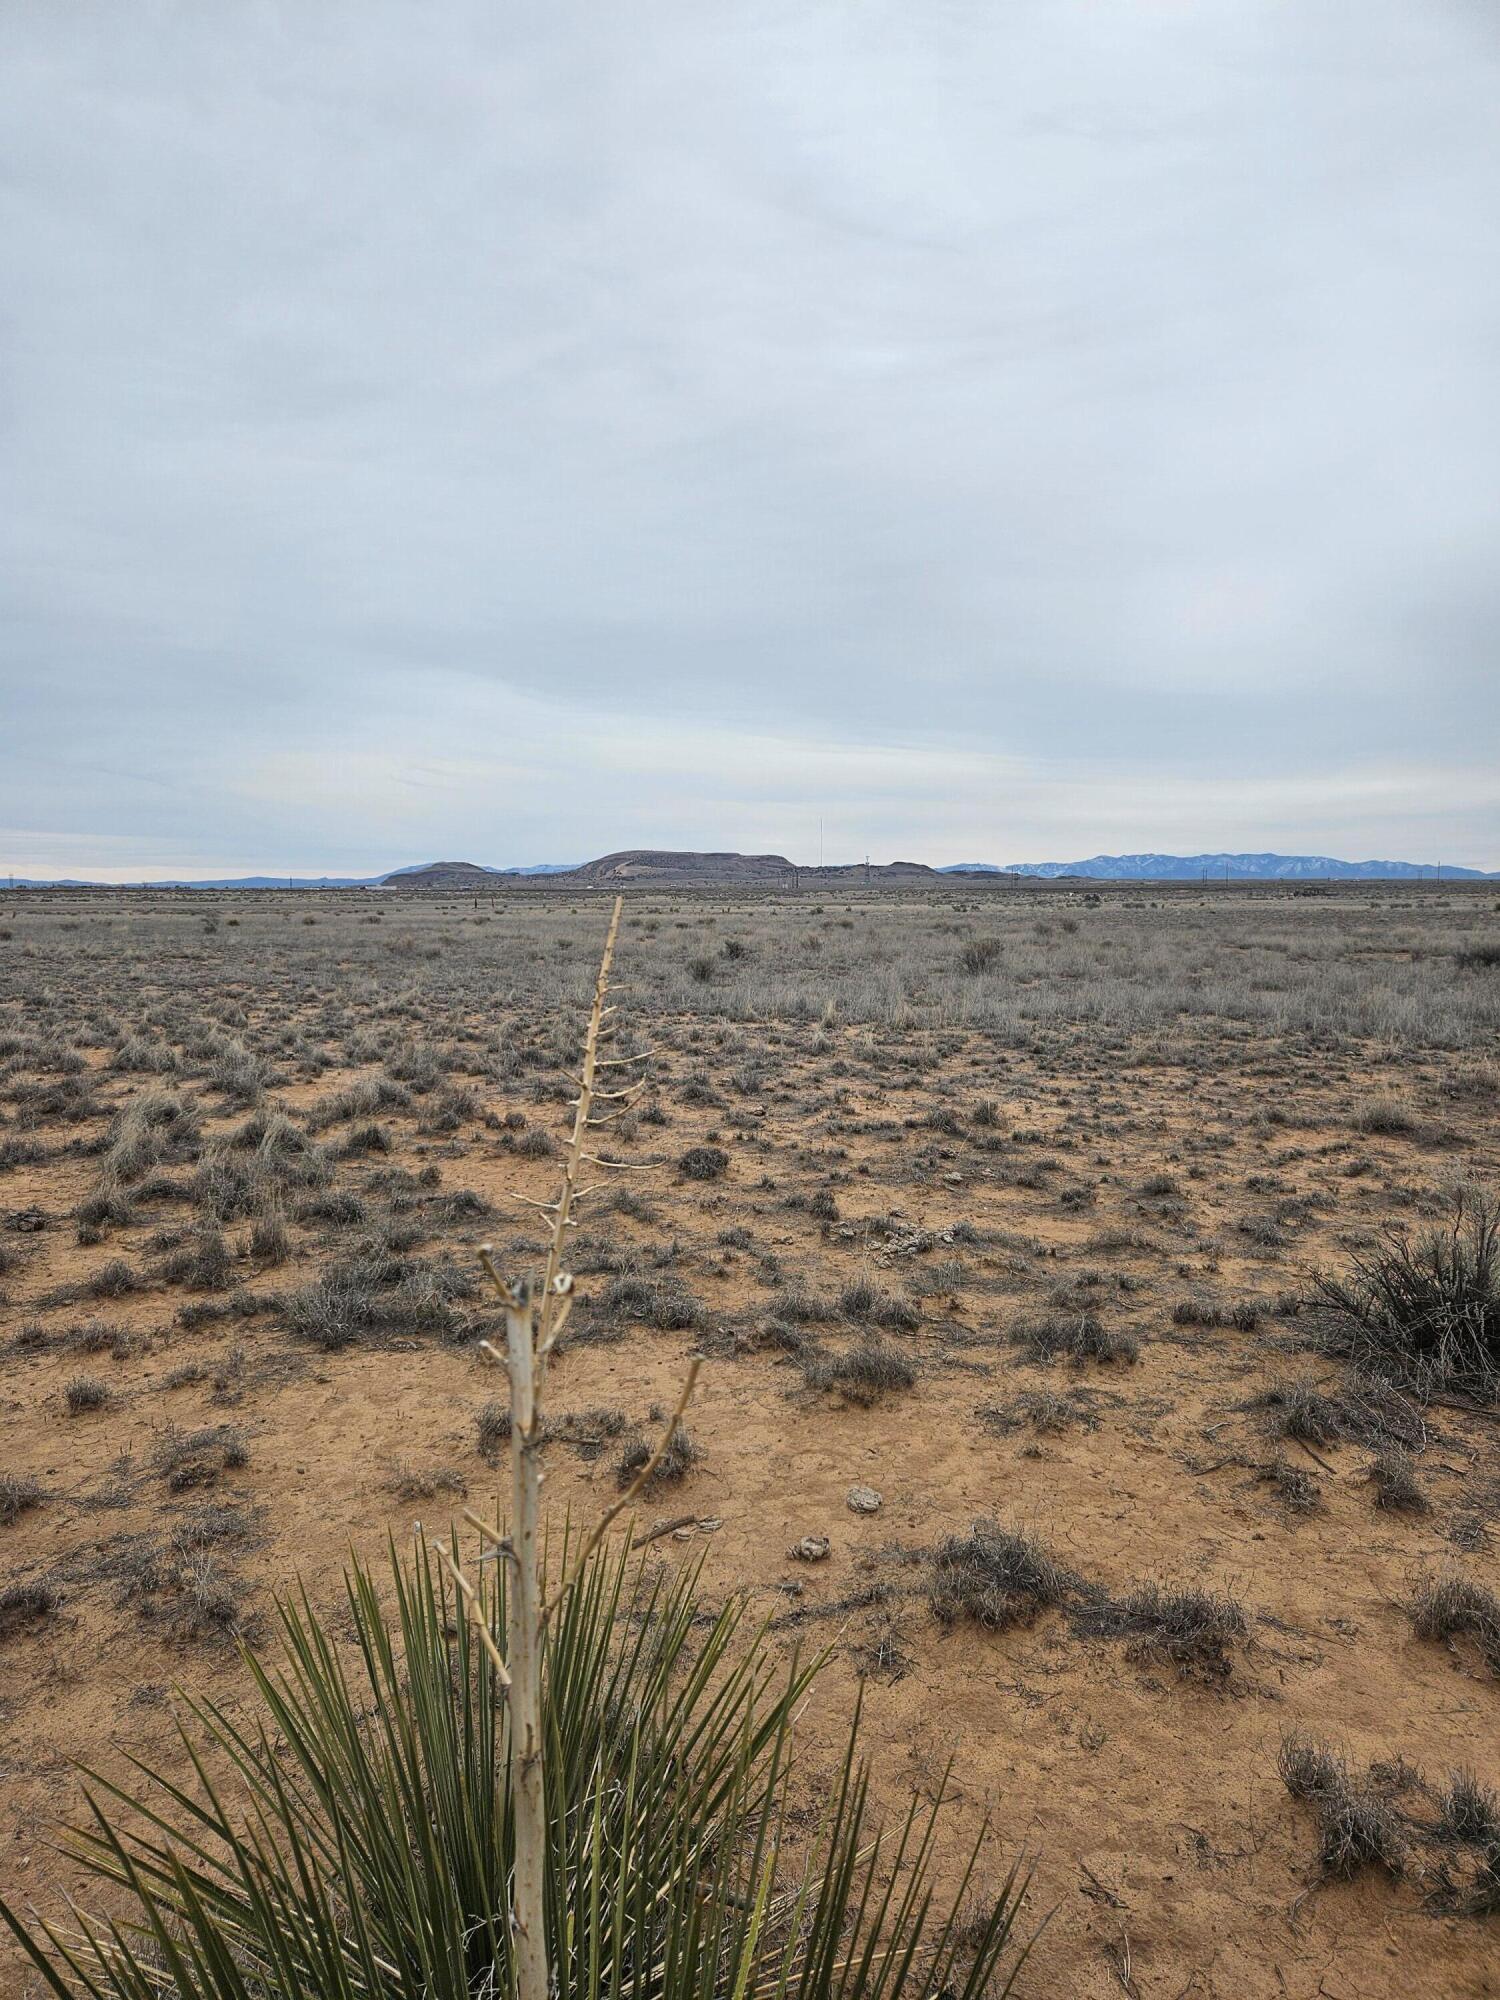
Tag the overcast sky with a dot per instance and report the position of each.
(1006, 430)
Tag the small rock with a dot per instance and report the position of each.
(811, 1549)
(863, 1500)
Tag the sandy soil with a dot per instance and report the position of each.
(1221, 1168)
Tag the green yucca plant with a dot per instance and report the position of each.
(359, 1838)
(548, 1780)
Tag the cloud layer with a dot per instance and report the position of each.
(512, 433)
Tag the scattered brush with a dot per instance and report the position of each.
(676, 1461)
(1357, 1827)
(996, 1577)
(410, 1483)
(1468, 1811)
(23, 1605)
(1427, 1313)
(1076, 1337)
(19, 1493)
(84, 1393)
(1364, 1410)
(864, 1373)
(865, 1300)
(1194, 1629)
(1458, 1607)
(660, 1302)
(1397, 1487)
(1295, 1486)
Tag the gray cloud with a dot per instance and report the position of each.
(1000, 430)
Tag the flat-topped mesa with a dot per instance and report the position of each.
(654, 864)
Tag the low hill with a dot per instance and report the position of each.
(688, 866)
(442, 875)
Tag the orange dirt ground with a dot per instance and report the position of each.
(1220, 1164)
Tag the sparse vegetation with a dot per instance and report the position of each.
(995, 1576)
(1193, 1629)
(1427, 1311)
(863, 1373)
(1075, 1337)
(1357, 1827)
(19, 1493)
(954, 1207)
(1453, 1607)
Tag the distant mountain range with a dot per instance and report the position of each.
(668, 867)
(1239, 867)
(431, 869)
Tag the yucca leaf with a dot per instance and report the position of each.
(356, 1843)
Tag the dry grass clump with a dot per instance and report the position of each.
(586, 1431)
(365, 1099)
(663, 1302)
(85, 1393)
(1295, 1487)
(1364, 1410)
(186, 1459)
(182, 1578)
(1394, 1478)
(1458, 1607)
(995, 1576)
(19, 1493)
(672, 1466)
(204, 1265)
(270, 1240)
(802, 1307)
(1075, 1337)
(376, 1294)
(703, 1163)
(156, 1129)
(1357, 1827)
(1468, 1811)
(114, 1280)
(1427, 1312)
(980, 954)
(863, 1373)
(865, 1300)
(1386, 1118)
(1193, 1629)
(410, 1483)
(23, 1605)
